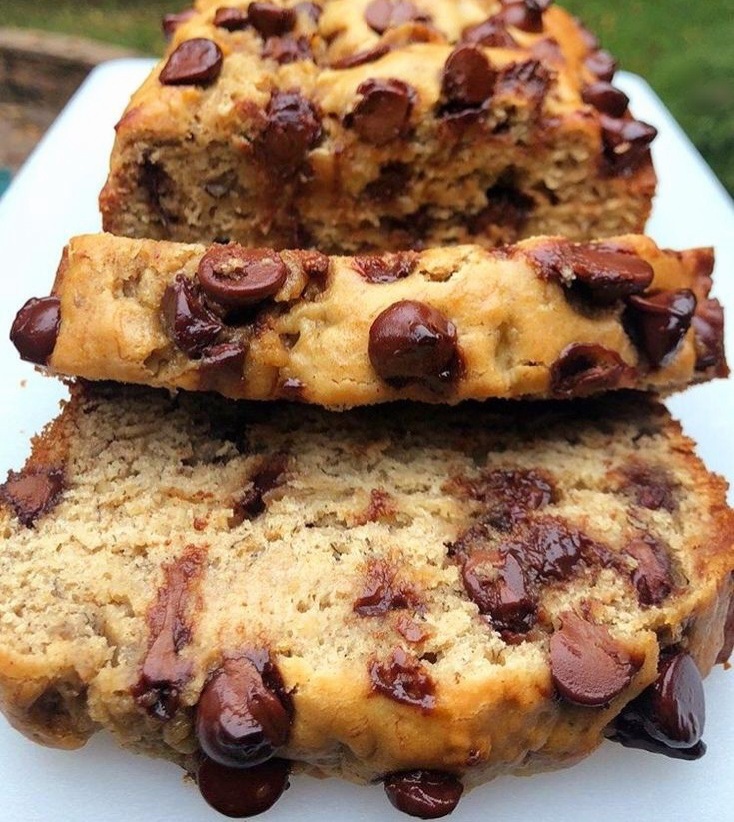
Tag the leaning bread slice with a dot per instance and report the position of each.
(545, 318)
(431, 599)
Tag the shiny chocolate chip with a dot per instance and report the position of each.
(32, 493)
(381, 15)
(468, 79)
(190, 323)
(35, 329)
(271, 20)
(242, 717)
(496, 584)
(171, 22)
(652, 576)
(196, 62)
(383, 112)
(286, 50)
(360, 58)
(708, 326)
(602, 64)
(626, 144)
(659, 322)
(526, 15)
(584, 369)
(403, 679)
(236, 277)
(412, 341)
(242, 792)
(269, 476)
(492, 33)
(588, 666)
(424, 794)
(293, 128)
(386, 268)
(231, 19)
(606, 98)
(220, 365)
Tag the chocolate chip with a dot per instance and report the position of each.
(231, 19)
(382, 592)
(386, 268)
(596, 273)
(529, 79)
(509, 494)
(630, 732)
(548, 549)
(496, 584)
(492, 33)
(32, 493)
(35, 329)
(196, 62)
(243, 716)
(403, 679)
(507, 206)
(383, 112)
(360, 58)
(650, 486)
(269, 476)
(727, 645)
(658, 323)
(468, 79)
(708, 326)
(412, 341)
(190, 323)
(235, 277)
(286, 50)
(171, 22)
(584, 369)
(157, 184)
(293, 129)
(242, 792)
(392, 182)
(220, 365)
(588, 666)
(381, 15)
(606, 98)
(424, 794)
(652, 577)
(626, 144)
(602, 64)
(271, 20)
(526, 15)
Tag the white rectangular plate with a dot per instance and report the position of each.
(54, 197)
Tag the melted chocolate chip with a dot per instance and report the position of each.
(526, 15)
(496, 584)
(631, 733)
(360, 58)
(708, 326)
(231, 19)
(242, 792)
(293, 129)
(35, 329)
(403, 679)
(585, 369)
(191, 324)
(413, 341)
(506, 206)
(171, 22)
(382, 15)
(651, 486)
(382, 592)
(468, 79)
(392, 182)
(492, 33)
(548, 549)
(529, 80)
(244, 714)
(220, 364)
(509, 494)
(383, 113)
(236, 277)
(163, 673)
(271, 20)
(32, 493)
(652, 578)
(602, 64)
(606, 98)
(658, 323)
(386, 268)
(626, 144)
(269, 476)
(424, 794)
(588, 666)
(286, 50)
(728, 644)
(196, 62)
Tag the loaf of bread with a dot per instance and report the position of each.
(351, 125)
(430, 597)
(545, 318)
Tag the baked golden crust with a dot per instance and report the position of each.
(543, 318)
(347, 138)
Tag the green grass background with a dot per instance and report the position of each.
(684, 48)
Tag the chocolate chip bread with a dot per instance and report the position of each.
(545, 318)
(430, 598)
(351, 125)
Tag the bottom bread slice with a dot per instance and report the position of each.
(425, 596)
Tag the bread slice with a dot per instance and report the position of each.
(429, 596)
(351, 125)
(545, 318)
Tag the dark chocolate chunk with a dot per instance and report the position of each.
(548, 549)
(196, 62)
(242, 792)
(271, 20)
(403, 679)
(651, 486)
(286, 50)
(652, 578)
(386, 268)
(492, 33)
(630, 732)
(526, 15)
(269, 476)
(508, 495)
(221, 364)
(424, 794)
(602, 64)
(496, 584)
(35, 329)
(588, 666)
(383, 112)
(468, 79)
(413, 341)
(244, 714)
(359, 58)
(606, 98)
(708, 326)
(190, 323)
(32, 493)
(232, 19)
(171, 22)
(584, 369)
(381, 15)
(293, 129)
(392, 182)
(658, 323)
(626, 144)
(507, 206)
(236, 277)
(382, 592)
